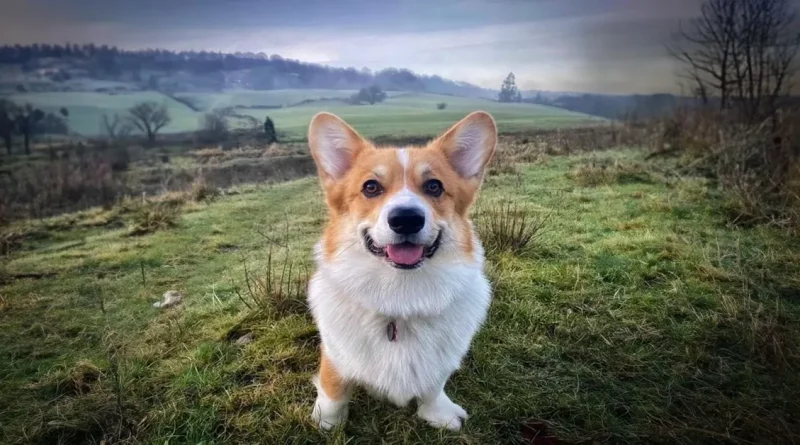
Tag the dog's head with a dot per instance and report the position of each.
(401, 206)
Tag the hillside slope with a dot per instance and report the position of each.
(402, 114)
(417, 115)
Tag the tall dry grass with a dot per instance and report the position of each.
(756, 164)
(45, 189)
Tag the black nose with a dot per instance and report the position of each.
(406, 221)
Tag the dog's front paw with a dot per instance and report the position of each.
(328, 413)
(443, 413)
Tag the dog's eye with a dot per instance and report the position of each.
(371, 188)
(433, 187)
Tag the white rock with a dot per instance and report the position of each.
(245, 339)
(171, 298)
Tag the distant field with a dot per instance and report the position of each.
(86, 109)
(417, 115)
(249, 98)
(402, 114)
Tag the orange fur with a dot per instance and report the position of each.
(331, 382)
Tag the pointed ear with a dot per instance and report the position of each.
(470, 144)
(334, 145)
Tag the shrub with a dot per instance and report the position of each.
(441, 105)
(120, 159)
(756, 164)
(150, 217)
(201, 191)
(269, 131)
(370, 95)
(56, 187)
(760, 174)
(685, 131)
(215, 126)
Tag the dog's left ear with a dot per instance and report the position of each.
(470, 144)
(334, 145)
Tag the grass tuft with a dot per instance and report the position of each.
(281, 288)
(201, 191)
(604, 171)
(151, 217)
(508, 227)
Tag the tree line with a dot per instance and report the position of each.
(268, 71)
(148, 117)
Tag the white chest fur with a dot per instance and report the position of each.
(437, 310)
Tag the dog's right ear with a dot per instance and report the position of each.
(334, 145)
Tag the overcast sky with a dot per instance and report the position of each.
(612, 46)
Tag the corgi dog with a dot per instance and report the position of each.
(399, 288)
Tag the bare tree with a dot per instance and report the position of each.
(764, 59)
(740, 53)
(215, 124)
(115, 127)
(8, 110)
(249, 123)
(705, 50)
(25, 122)
(149, 118)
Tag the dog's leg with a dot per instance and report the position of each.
(440, 411)
(333, 395)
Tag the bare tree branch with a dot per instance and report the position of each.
(741, 53)
(149, 118)
(115, 127)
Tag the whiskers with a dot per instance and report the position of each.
(345, 249)
(451, 245)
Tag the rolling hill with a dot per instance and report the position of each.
(402, 114)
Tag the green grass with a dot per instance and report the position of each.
(400, 115)
(636, 316)
(416, 115)
(86, 109)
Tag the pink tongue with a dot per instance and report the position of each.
(406, 254)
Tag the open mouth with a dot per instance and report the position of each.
(403, 255)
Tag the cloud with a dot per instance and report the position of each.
(608, 46)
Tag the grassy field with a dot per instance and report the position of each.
(400, 115)
(417, 115)
(638, 316)
(86, 109)
(264, 98)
